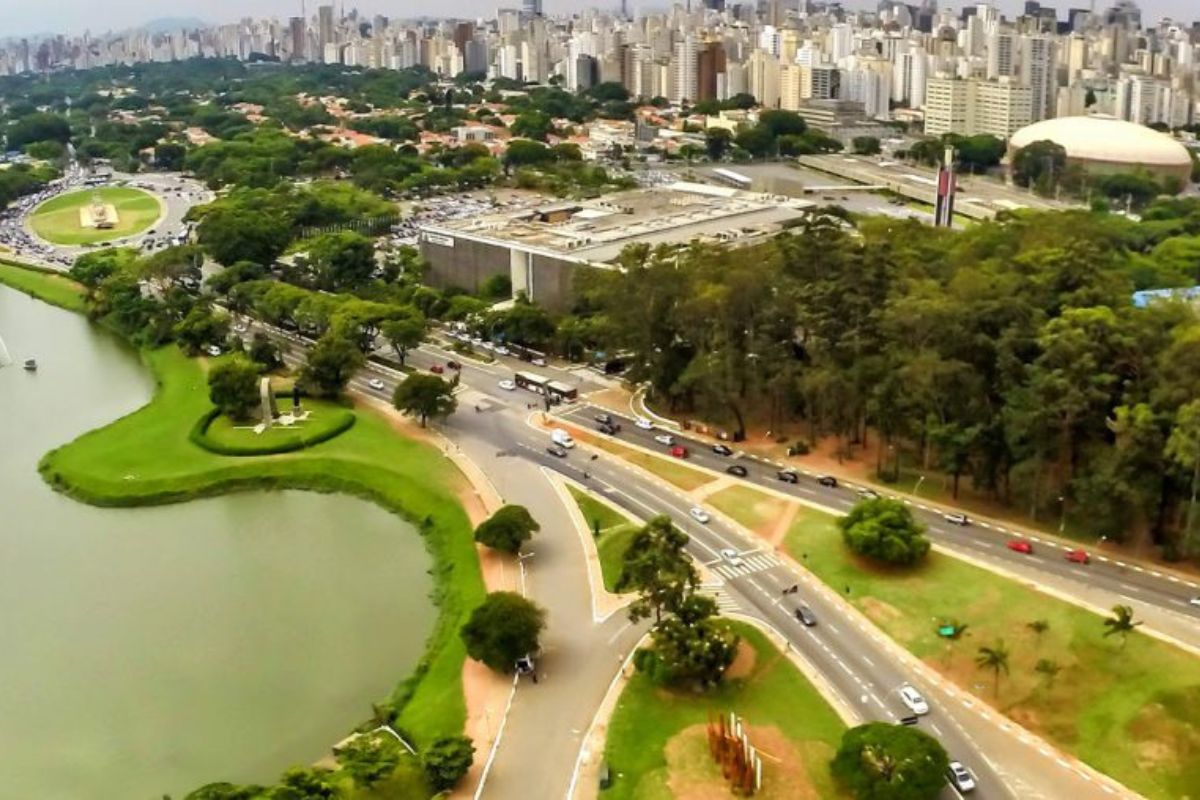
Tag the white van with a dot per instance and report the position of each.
(562, 438)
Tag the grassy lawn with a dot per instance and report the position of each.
(57, 290)
(57, 219)
(1132, 713)
(147, 458)
(615, 534)
(324, 418)
(756, 510)
(656, 745)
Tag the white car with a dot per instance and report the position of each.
(488, 346)
(213, 350)
(913, 699)
(644, 424)
(501, 350)
(376, 384)
(700, 515)
(239, 328)
(956, 519)
(731, 556)
(507, 385)
(960, 777)
(538, 362)
(1195, 601)
(665, 438)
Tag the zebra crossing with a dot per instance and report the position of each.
(725, 603)
(751, 563)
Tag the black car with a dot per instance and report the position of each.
(721, 450)
(605, 427)
(556, 451)
(827, 480)
(604, 419)
(787, 476)
(737, 469)
(806, 616)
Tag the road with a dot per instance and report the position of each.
(862, 666)
(1163, 600)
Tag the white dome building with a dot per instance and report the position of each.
(1100, 143)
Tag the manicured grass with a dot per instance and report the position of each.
(788, 719)
(756, 510)
(616, 532)
(147, 458)
(57, 219)
(325, 421)
(1132, 713)
(57, 290)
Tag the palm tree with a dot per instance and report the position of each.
(1120, 623)
(1047, 669)
(996, 659)
(1038, 626)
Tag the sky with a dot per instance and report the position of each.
(23, 17)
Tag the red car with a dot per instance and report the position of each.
(437, 369)
(1020, 546)
(1078, 556)
(679, 451)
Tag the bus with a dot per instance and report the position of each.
(731, 178)
(556, 391)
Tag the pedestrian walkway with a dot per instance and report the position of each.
(725, 603)
(751, 564)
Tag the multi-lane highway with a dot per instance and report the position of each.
(863, 667)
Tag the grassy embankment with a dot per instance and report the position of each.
(616, 532)
(1132, 712)
(57, 219)
(147, 458)
(656, 746)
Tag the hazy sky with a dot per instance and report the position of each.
(18, 17)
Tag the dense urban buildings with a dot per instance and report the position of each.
(951, 70)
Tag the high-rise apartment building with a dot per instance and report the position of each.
(971, 107)
(298, 39)
(1038, 72)
(325, 28)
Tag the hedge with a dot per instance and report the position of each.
(299, 441)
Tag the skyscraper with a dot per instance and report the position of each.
(532, 8)
(324, 27)
(299, 38)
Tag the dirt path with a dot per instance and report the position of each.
(783, 525)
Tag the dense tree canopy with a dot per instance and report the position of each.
(885, 531)
(501, 630)
(506, 530)
(878, 761)
(233, 387)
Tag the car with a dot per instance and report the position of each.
(487, 346)
(665, 438)
(806, 616)
(868, 494)
(787, 476)
(960, 777)
(699, 514)
(737, 469)
(679, 451)
(538, 362)
(1194, 601)
(213, 350)
(556, 451)
(644, 424)
(1078, 556)
(1019, 546)
(376, 384)
(437, 369)
(721, 450)
(501, 350)
(604, 427)
(956, 519)
(604, 419)
(827, 480)
(562, 438)
(731, 557)
(239, 328)
(454, 365)
(507, 385)
(913, 699)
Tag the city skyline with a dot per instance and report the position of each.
(29, 20)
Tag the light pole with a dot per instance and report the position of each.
(1062, 513)
(917, 488)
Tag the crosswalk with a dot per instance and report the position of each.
(725, 603)
(752, 563)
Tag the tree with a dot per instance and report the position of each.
(233, 387)
(501, 630)
(532, 125)
(878, 761)
(1121, 623)
(404, 333)
(38, 127)
(1183, 449)
(1040, 163)
(201, 328)
(331, 364)
(1039, 627)
(305, 783)
(241, 234)
(265, 352)
(226, 791)
(369, 758)
(342, 260)
(425, 396)
(169, 156)
(507, 529)
(1048, 669)
(716, 142)
(446, 761)
(692, 647)
(994, 658)
(525, 152)
(865, 145)
(657, 568)
(886, 531)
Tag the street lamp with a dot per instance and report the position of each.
(917, 488)
(1062, 516)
